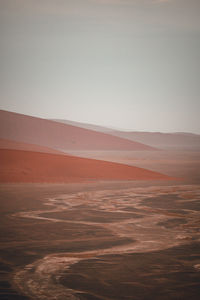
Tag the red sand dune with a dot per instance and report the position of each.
(27, 166)
(60, 136)
(9, 144)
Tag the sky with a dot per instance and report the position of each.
(129, 64)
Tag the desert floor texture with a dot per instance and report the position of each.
(95, 236)
(105, 240)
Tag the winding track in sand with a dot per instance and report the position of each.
(40, 280)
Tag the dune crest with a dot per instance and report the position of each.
(60, 136)
(10, 144)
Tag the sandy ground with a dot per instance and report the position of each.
(59, 228)
(113, 240)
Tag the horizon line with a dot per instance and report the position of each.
(101, 125)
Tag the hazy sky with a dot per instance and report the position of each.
(132, 64)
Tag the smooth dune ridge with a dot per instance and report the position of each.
(161, 140)
(9, 144)
(27, 166)
(176, 140)
(60, 136)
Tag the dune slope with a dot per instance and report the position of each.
(177, 140)
(10, 144)
(60, 136)
(27, 166)
(161, 140)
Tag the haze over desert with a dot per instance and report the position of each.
(73, 219)
(99, 150)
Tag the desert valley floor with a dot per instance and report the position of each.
(88, 215)
(106, 240)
